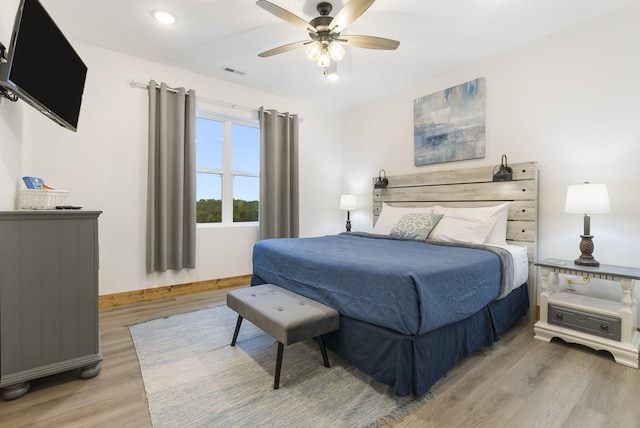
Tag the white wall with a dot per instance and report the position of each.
(104, 165)
(569, 101)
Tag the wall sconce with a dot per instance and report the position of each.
(587, 198)
(381, 181)
(348, 202)
(505, 173)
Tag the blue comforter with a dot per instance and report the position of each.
(408, 286)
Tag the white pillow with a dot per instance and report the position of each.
(390, 215)
(496, 215)
(462, 229)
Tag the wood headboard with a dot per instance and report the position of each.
(471, 187)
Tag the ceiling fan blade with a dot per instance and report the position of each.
(282, 49)
(349, 13)
(286, 15)
(370, 42)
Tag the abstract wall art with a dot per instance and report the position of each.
(449, 125)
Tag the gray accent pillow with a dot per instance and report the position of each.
(415, 225)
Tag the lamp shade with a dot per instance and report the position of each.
(587, 198)
(348, 202)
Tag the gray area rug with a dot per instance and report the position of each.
(193, 378)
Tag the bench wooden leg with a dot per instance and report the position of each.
(325, 358)
(276, 380)
(235, 333)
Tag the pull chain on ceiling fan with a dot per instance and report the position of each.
(325, 42)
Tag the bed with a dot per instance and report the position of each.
(414, 300)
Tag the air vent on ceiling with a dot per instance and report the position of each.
(233, 70)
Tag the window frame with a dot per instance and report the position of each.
(227, 172)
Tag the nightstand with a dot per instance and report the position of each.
(597, 323)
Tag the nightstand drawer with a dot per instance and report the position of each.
(599, 325)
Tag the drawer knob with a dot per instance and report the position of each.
(604, 327)
(559, 317)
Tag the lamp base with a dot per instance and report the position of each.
(586, 262)
(348, 225)
(586, 248)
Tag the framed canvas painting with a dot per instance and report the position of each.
(449, 125)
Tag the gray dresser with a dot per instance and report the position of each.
(48, 296)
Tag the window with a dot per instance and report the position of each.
(227, 169)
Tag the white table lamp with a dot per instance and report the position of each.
(586, 199)
(348, 202)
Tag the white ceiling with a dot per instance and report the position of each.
(435, 36)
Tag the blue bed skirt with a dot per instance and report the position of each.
(412, 364)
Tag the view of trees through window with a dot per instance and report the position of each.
(227, 170)
(210, 210)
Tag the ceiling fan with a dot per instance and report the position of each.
(324, 32)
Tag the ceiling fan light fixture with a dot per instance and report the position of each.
(336, 51)
(314, 50)
(325, 59)
(325, 46)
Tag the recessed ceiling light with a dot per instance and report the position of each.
(333, 76)
(164, 17)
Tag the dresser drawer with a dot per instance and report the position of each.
(598, 325)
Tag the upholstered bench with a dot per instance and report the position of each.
(285, 316)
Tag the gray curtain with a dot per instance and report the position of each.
(171, 193)
(279, 186)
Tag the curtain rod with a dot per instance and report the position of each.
(141, 85)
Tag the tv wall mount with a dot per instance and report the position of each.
(4, 92)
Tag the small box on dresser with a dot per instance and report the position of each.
(42, 199)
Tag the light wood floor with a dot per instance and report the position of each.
(519, 382)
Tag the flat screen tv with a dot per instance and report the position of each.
(42, 68)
